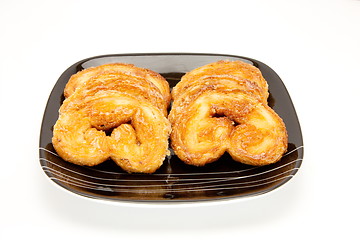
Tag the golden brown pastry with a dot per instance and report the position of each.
(215, 82)
(138, 142)
(128, 69)
(225, 68)
(212, 115)
(114, 115)
(139, 87)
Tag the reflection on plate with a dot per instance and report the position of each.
(174, 181)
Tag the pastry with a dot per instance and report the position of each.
(227, 69)
(213, 114)
(128, 69)
(116, 113)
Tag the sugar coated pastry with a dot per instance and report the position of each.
(128, 69)
(220, 108)
(224, 68)
(115, 113)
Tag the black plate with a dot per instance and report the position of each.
(174, 181)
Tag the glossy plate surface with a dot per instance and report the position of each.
(175, 181)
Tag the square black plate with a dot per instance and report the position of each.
(174, 181)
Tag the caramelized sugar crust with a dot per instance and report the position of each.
(128, 69)
(114, 111)
(220, 108)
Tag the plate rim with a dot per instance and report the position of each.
(169, 202)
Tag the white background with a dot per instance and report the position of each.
(313, 45)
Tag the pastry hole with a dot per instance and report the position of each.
(222, 115)
(110, 128)
(218, 115)
(108, 131)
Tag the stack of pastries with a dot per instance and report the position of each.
(222, 107)
(115, 111)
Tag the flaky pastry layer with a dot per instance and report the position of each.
(114, 111)
(218, 121)
(222, 107)
(139, 87)
(139, 132)
(238, 69)
(83, 76)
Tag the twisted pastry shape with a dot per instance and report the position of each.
(212, 115)
(114, 115)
